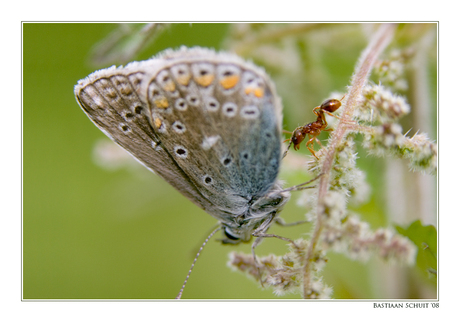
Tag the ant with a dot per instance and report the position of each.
(315, 128)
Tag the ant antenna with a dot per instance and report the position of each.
(194, 261)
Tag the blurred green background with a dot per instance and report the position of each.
(93, 233)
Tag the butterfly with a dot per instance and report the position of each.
(209, 123)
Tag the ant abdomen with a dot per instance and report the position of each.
(330, 105)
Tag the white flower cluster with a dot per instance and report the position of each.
(419, 149)
(285, 274)
(355, 239)
(392, 70)
(380, 104)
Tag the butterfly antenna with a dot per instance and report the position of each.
(194, 261)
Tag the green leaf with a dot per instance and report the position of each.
(425, 238)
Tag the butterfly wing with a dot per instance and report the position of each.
(208, 123)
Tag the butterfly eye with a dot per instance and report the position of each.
(230, 237)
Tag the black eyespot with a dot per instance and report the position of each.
(178, 127)
(180, 104)
(227, 161)
(138, 110)
(129, 115)
(180, 151)
(250, 112)
(229, 109)
(207, 180)
(193, 100)
(124, 128)
(212, 105)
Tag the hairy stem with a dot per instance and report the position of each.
(376, 45)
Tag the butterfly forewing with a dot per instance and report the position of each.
(122, 116)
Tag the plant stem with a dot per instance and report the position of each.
(376, 45)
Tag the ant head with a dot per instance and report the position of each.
(297, 137)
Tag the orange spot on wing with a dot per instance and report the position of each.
(169, 86)
(258, 92)
(229, 82)
(161, 102)
(204, 80)
(183, 80)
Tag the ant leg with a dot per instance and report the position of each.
(318, 141)
(313, 138)
(315, 111)
(330, 114)
(310, 143)
(313, 152)
(339, 118)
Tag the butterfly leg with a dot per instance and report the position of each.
(260, 234)
(280, 221)
(302, 186)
